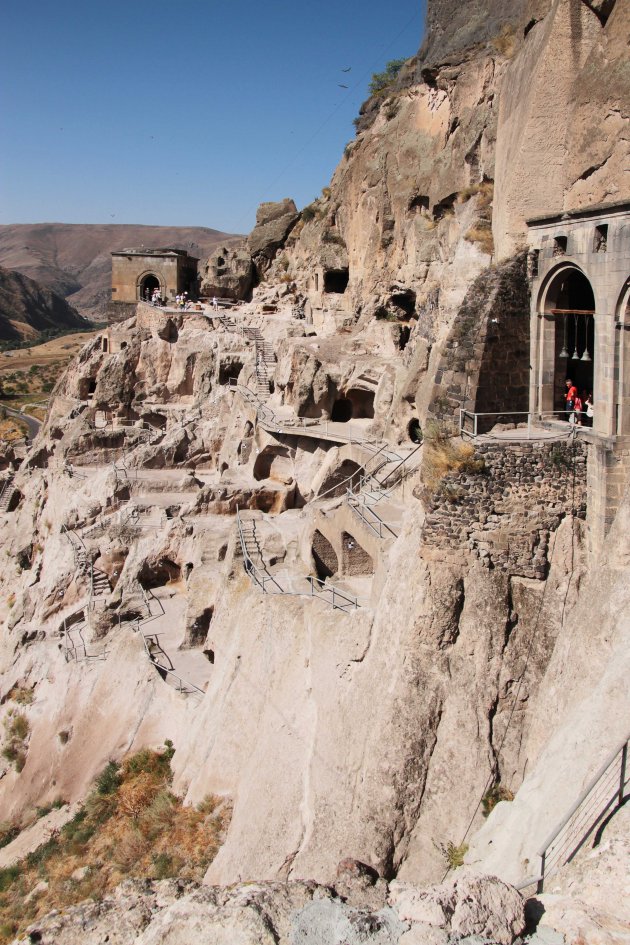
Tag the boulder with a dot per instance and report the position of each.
(229, 273)
(466, 904)
(274, 221)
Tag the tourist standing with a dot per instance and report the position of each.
(569, 397)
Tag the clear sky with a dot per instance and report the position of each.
(183, 113)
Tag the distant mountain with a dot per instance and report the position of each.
(27, 308)
(73, 259)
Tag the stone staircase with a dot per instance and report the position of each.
(7, 492)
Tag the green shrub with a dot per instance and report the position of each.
(453, 855)
(492, 797)
(108, 780)
(382, 80)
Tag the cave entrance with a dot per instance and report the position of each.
(336, 280)
(148, 284)
(337, 481)
(341, 411)
(362, 403)
(414, 430)
(569, 342)
(324, 556)
(274, 462)
(356, 560)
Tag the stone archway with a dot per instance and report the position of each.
(355, 559)
(622, 363)
(147, 284)
(566, 307)
(324, 556)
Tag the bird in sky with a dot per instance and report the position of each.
(347, 70)
(343, 86)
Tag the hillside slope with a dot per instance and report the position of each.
(74, 259)
(27, 308)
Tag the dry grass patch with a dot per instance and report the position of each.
(131, 825)
(444, 454)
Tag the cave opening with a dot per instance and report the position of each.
(341, 411)
(362, 403)
(336, 280)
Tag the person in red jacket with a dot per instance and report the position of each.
(570, 396)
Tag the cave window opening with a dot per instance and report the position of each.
(362, 403)
(229, 371)
(444, 207)
(414, 430)
(560, 246)
(600, 238)
(341, 411)
(533, 263)
(419, 202)
(123, 345)
(403, 337)
(316, 282)
(406, 301)
(336, 281)
(209, 655)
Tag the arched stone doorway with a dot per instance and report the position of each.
(324, 556)
(567, 309)
(622, 363)
(147, 285)
(356, 560)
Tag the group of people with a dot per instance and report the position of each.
(154, 297)
(579, 408)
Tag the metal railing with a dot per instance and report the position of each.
(369, 517)
(604, 793)
(259, 575)
(71, 650)
(182, 685)
(469, 421)
(340, 600)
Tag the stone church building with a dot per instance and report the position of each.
(137, 272)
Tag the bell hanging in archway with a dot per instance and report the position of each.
(564, 353)
(586, 356)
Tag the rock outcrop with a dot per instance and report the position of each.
(174, 913)
(228, 273)
(27, 309)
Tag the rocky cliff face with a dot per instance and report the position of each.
(26, 309)
(370, 725)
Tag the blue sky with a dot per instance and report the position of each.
(189, 113)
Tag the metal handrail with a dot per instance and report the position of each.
(169, 672)
(361, 509)
(554, 854)
(469, 415)
(349, 599)
(404, 460)
(258, 575)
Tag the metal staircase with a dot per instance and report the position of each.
(99, 587)
(255, 566)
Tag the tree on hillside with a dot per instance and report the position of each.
(382, 80)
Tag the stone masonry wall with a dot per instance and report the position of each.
(485, 364)
(504, 515)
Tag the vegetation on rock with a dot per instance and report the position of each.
(131, 825)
